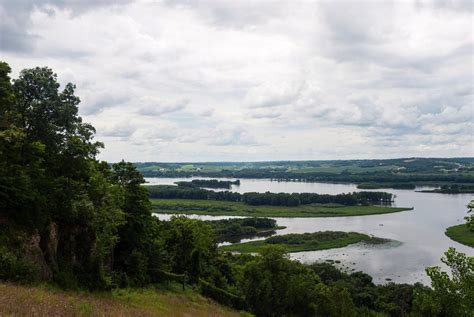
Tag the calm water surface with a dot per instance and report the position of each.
(420, 231)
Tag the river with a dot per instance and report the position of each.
(420, 231)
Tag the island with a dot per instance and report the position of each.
(320, 240)
(462, 234)
(451, 189)
(208, 183)
(236, 229)
(235, 208)
(385, 185)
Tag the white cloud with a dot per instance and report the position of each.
(238, 80)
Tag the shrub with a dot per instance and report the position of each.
(14, 269)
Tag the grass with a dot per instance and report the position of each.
(16, 300)
(321, 240)
(228, 208)
(461, 234)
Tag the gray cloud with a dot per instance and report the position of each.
(160, 108)
(15, 19)
(191, 80)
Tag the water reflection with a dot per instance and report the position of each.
(421, 231)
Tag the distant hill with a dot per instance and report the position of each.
(418, 170)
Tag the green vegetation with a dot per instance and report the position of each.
(416, 171)
(381, 185)
(470, 216)
(228, 208)
(272, 199)
(16, 300)
(451, 294)
(236, 229)
(320, 240)
(452, 189)
(462, 234)
(208, 183)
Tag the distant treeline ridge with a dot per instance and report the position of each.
(208, 183)
(374, 177)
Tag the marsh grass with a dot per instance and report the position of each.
(229, 208)
(320, 240)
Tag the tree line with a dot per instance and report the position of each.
(208, 183)
(268, 198)
(344, 177)
(235, 229)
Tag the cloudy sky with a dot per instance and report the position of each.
(257, 80)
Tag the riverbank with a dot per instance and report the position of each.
(460, 233)
(17, 300)
(321, 240)
(228, 208)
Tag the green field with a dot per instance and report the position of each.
(227, 208)
(314, 242)
(461, 234)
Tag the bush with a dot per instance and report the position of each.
(220, 295)
(14, 269)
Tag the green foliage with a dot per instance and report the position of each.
(293, 242)
(208, 183)
(50, 182)
(273, 285)
(16, 269)
(452, 294)
(267, 198)
(470, 217)
(190, 245)
(220, 295)
(235, 229)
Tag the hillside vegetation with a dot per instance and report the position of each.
(16, 300)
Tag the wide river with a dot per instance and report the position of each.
(420, 231)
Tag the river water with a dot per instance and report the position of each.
(420, 231)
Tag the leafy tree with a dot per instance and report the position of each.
(133, 250)
(52, 187)
(452, 294)
(190, 245)
(470, 217)
(273, 285)
(6, 95)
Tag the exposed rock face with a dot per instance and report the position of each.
(49, 246)
(34, 254)
(41, 250)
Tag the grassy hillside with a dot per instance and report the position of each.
(18, 300)
(229, 208)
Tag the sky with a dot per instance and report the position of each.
(257, 80)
